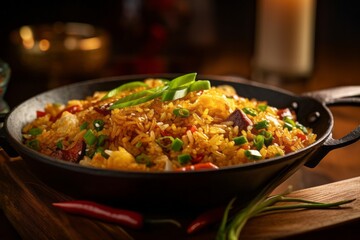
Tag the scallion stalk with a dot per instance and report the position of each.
(126, 86)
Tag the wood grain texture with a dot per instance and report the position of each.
(26, 202)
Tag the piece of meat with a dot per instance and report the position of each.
(239, 118)
(73, 154)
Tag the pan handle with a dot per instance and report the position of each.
(4, 144)
(331, 144)
(345, 95)
(338, 96)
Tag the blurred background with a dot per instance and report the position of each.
(153, 36)
(178, 36)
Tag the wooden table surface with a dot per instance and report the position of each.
(338, 165)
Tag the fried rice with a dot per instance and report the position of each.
(212, 125)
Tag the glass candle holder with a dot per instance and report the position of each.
(284, 41)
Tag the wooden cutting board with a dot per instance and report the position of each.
(26, 202)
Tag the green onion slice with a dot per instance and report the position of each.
(249, 111)
(84, 126)
(102, 139)
(268, 137)
(253, 154)
(177, 145)
(259, 141)
(184, 158)
(289, 123)
(173, 94)
(262, 107)
(59, 144)
(34, 144)
(90, 137)
(98, 124)
(126, 86)
(143, 159)
(138, 98)
(177, 88)
(301, 127)
(181, 112)
(240, 140)
(200, 85)
(262, 125)
(182, 81)
(165, 142)
(35, 131)
(101, 150)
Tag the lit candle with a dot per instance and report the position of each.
(284, 36)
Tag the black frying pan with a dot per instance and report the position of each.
(205, 188)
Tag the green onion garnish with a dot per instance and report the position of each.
(138, 98)
(90, 137)
(259, 141)
(59, 144)
(200, 85)
(262, 125)
(143, 159)
(181, 112)
(102, 139)
(176, 145)
(249, 111)
(126, 86)
(262, 107)
(84, 126)
(165, 142)
(101, 150)
(240, 140)
(138, 144)
(34, 144)
(268, 137)
(35, 131)
(289, 123)
(177, 88)
(182, 81)
(253, 154)
(98, 124)
(184, 158)
(173, 94)
(301, 127)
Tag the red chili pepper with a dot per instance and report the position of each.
(91, 209)
(205, 219)
(40, 114)
(199, 166)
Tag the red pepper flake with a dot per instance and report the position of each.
(123, 217)
(199, 166)
(40, 114)
(197, 158)
(192, 128)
